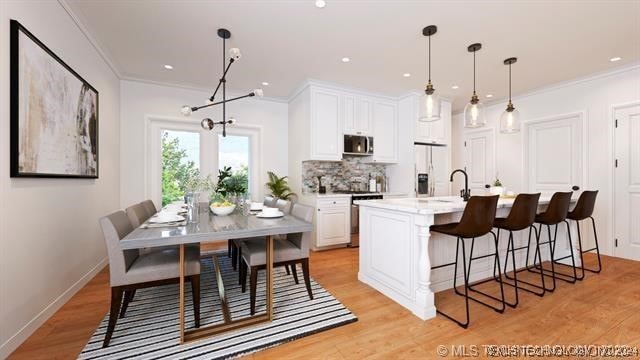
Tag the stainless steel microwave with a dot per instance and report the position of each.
(358, 145)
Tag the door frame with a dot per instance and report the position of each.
(612, 158)
(254, 132)
(524, 140)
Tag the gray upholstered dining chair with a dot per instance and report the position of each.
(292, 250)
(130, 270)
(150, 207)
(234, 245)
(137, 214)
(269, 201)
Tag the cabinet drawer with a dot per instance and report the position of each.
(333, 202)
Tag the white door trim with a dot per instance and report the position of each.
(582, 118)
(612, 178)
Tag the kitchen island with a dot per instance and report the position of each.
(397, 250)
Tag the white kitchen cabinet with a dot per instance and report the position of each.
(333, 222)
(357, 115)
(435, 132)
(326, 122)
(349, 114)
(385, 131)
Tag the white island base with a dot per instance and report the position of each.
(397, 249)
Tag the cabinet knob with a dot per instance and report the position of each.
(318, 210)
(334, 202)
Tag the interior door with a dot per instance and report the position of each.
(479, 158)
(627, 183)
(553, 153)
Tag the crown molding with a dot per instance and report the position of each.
(575, 81)
(94, 43)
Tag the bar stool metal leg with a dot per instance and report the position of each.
(464, 276)
(542, 286)
(499, 280)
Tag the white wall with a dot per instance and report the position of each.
(595, 97)
(140, 101)
(50, 239)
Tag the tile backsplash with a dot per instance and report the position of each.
(339, 175)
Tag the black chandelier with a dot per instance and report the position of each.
(208, 123)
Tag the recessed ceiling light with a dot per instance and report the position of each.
(345, 59)
(168, 67)
(614, 59)
(489, 95)
(320, 4)
(406, 75)
(265, 83)
(455, 87)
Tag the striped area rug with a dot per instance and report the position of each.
(150, 327)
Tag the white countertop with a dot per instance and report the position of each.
(434, 205)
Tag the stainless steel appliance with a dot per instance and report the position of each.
(355, 215)
(358, 145)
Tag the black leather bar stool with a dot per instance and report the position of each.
(582, 211)
(477, 220)
(522, 215)
(555, 214)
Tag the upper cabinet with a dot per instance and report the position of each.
(319, 116)
(356, 115)
(326, 121)
(385, 131)
(436, 132)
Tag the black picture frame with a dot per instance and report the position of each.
(85, 135)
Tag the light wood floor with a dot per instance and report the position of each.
(602, 309)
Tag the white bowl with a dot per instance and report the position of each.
(222, 210)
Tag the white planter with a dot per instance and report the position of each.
(496, 190)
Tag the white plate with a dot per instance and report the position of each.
(166, 218)
(276, 215)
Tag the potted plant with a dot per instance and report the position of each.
(497, 188)
(279, 187)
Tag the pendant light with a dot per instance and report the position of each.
(429, 102)
(510, 118)
(473, 114)
(208, 123)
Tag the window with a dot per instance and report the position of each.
(234, 152)
(178, 149)
(180, 159)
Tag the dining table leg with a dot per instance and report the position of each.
(181, 293)
(229, 324)
(269, 276)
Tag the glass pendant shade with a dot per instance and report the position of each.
(429, 107)
(474, 115)
(510, 121)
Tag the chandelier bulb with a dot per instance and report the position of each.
(186, 110)
(207, 124)
(235, 54)
(258, 92)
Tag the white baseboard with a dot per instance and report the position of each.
(19, 337)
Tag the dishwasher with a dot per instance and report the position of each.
(355, 216)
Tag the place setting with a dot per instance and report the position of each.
(170, 215)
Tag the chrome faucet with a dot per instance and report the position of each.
(466, 193)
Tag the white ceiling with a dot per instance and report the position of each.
(286, 42)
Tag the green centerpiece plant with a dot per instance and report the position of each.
(279, 187)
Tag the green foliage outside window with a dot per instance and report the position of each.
(176, 173)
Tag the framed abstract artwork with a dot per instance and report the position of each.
(54, 113)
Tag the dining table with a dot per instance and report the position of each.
(204, 226)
